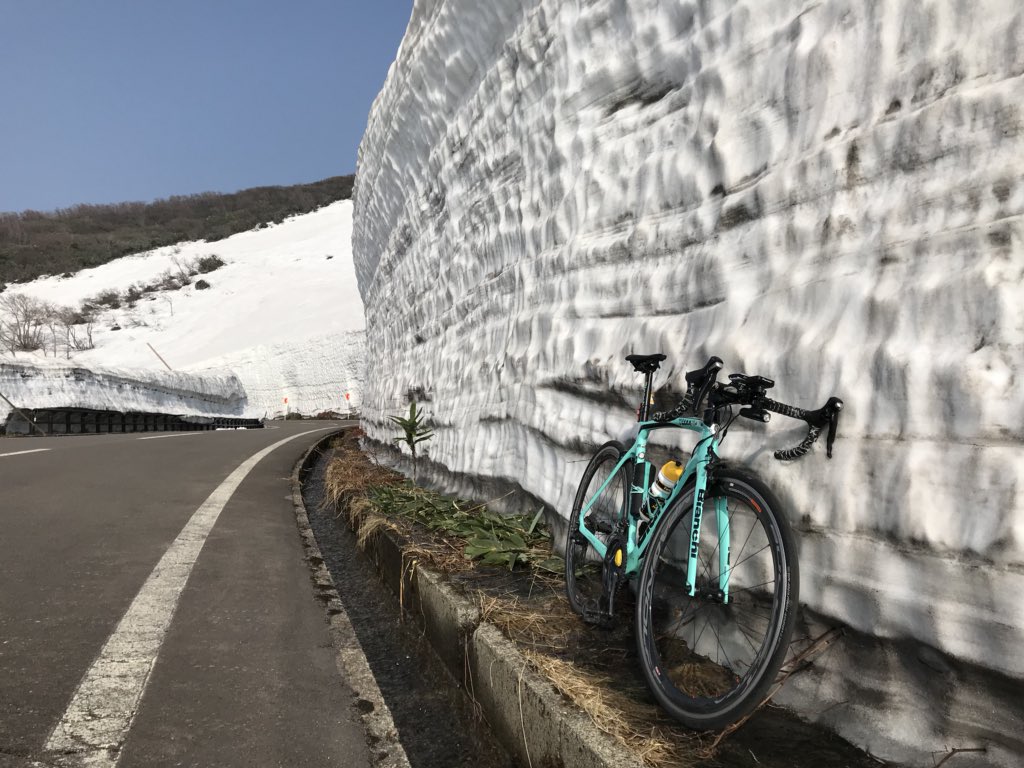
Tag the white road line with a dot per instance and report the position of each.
(176, 434)
(21, 453)
(96, 722)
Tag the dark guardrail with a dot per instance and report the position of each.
(81, 421)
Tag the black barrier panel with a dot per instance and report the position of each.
(77, 421)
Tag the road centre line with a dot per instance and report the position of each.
(21, 453)
(96, 722)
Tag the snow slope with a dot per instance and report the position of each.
(281, 319)
(826, 193)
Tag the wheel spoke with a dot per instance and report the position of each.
(746, 637)
(583, 566)
(750, 533)
(716, 654)
(734, 592)
(752, 554)
(718, 638)
(673, 629)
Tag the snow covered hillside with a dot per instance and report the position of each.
(826, 193)
(277, 328)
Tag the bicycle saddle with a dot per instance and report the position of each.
(645, 363)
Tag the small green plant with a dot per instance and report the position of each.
(416, 431)
(503, 541)
(202, 285)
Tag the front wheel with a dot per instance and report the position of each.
(708, 659)
(583, 565)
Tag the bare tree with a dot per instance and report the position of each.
(184, 270)
(49, 318)
(6, 338)
(77, 325)
(24, 321)
(81, 336)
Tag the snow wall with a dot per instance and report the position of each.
(314, 375)
(310, 377)
(827, 193)
(45, 384)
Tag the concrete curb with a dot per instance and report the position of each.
(535, 723)
(385, 747)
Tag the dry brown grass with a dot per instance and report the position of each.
(351, 475)
(564, 651)
(546, 625)
(530, 608)
(620, 716)
(369, 524)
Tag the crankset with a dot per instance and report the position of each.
(613, 577)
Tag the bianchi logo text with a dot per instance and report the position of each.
(698, 513)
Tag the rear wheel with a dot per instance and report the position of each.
(710, 660)
(583, 565)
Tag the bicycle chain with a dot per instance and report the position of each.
(613, 575)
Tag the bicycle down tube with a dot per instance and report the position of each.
(695, 468)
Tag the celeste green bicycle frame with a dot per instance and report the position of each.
(696, 468)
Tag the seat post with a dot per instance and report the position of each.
(647, 365)
(645, 406)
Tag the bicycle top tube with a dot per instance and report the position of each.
(696, 470)
(689, 423)
(638, 449)
(701, 453)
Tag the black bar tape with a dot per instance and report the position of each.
(680, 410)
(784, 410)
(800, 450)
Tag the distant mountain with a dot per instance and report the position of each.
(33, 243)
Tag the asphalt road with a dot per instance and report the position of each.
(155, 607)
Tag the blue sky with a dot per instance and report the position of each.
(116, 100)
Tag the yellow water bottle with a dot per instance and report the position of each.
(666, 480)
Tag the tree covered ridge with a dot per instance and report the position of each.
(33, 243)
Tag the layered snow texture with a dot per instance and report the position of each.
(314, 375)
(56, 385)
(825, 193)
(282, 320)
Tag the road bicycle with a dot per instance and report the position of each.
(715, 603)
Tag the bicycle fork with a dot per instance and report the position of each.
(721, 508)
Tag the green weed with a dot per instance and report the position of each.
(490, 538)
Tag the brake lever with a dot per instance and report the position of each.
(714, 365)
(833, 407)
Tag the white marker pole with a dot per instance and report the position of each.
(158, 355)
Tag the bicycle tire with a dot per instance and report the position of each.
(708, 680)
(583, 581)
